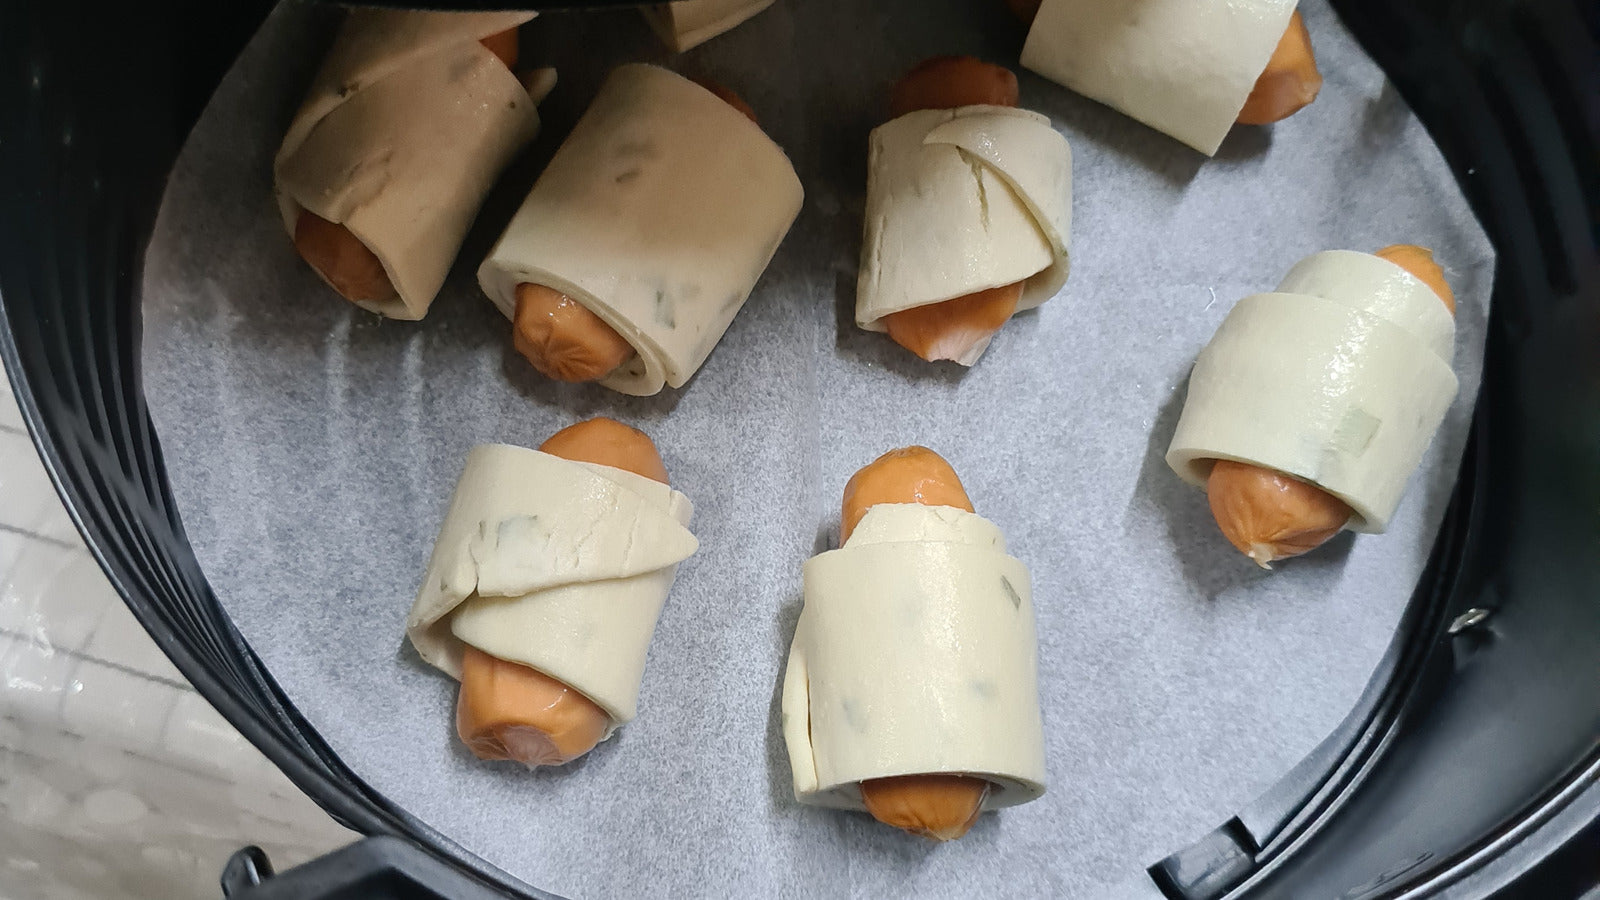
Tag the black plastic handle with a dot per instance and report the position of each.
(378, 868)
(488, 5)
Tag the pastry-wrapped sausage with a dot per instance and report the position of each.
(911, 690)
(1312, 405)
(969, 205)
(654, 221)
(547, 578)
(1189, 68)
(407, 125)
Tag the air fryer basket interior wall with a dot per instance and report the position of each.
(1473, 758)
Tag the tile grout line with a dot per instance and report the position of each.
(142, 757)
(223, 783)
(81, 656)
(44, 538)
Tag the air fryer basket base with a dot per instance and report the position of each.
(1472, 742)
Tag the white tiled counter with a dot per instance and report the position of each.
(116, 778)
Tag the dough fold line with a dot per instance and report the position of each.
(961, 201)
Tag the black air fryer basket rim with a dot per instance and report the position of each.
(1509, 90)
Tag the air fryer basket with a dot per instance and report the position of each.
(1471, 762)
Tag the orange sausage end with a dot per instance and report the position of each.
(1269, 516)
(907, 475)
(563, 339)
(510, 711)
(1419, 261)
(937, 807)
(504, 45)
(949, 330)
(947, 82)
(1290, 81)
(353, 270)
(608, 442)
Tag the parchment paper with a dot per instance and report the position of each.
(313, 448)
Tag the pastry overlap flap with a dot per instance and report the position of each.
(524, 521)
